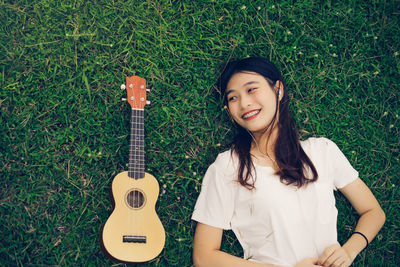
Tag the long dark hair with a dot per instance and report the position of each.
(294, 165)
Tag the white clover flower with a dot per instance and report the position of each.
(273, 6)
(194, 173)
(186, 156)
(259, 8)
(294, 47)
(334, 55)
(385, 113)
(289, 32)
(330, 45)
(391, 126)
(376, 37)
(315, 55)
(243, 7)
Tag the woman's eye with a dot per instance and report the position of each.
(252, 89)
(231, 98)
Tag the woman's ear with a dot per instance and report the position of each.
(279, 87)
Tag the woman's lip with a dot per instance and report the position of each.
(257, 111)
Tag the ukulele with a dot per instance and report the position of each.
(133, 232)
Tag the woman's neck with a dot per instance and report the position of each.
(263, 147)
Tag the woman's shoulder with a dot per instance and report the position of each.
(226, 162)
(226, 158)
(316, 143)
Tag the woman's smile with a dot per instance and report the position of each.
(251, 114)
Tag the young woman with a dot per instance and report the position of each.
(274, 191)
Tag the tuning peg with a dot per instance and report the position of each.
(123, 99)
(123, 87)
(148, 102)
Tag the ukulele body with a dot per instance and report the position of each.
(133, 232)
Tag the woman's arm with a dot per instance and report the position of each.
(206, 250)
(370, 222)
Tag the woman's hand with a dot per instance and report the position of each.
(308, 262)
(335, 256)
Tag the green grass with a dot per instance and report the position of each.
(64, 130)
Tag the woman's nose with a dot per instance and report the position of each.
(246, 101)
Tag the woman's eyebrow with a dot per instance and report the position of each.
(244, 85)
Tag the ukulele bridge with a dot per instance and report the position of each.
(133, 239)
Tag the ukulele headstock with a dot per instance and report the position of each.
(136, 92)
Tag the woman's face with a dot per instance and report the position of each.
(251, 101)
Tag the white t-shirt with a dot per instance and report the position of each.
(276, 223)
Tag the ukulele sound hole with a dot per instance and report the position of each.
(135, 199)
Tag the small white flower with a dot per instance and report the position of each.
(397, 116)
(330, 45)
(315, 55)
(334, 55)
(396, 53)
(376, 72)
(289, 32)
(218, 145)
(194, 173)
(391, 126)
(178, 198)
(294, 47)
(300, 53)
(376, 37)
(259, 8)
(164, 186)
(350, 100)
(385, 113)
(273, 6)
(186, 156)
(243, 7)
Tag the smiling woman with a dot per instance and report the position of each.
(274, 191)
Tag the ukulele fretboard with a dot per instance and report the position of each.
(136, 145)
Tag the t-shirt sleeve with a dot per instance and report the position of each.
(340, 168)
(215, 203)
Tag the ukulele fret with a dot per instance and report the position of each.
(136, 168)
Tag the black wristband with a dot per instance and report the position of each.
(366, 239)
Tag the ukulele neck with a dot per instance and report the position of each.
(136, 145)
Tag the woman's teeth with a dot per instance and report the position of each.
(248, 115)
